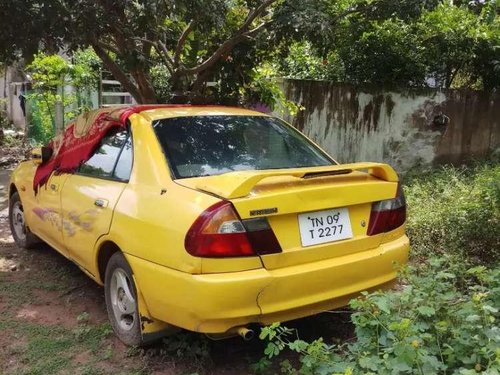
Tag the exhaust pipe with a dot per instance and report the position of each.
(245, 333)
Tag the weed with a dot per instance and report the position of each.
(455, 211)
(83, 317)
(444, 318)
(188, 346)
(92, 336)
(431, 326)
(47, 355)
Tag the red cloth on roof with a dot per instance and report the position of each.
(70, 151)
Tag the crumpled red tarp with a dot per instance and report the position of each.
(80, 139)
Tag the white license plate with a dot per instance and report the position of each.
(324, 226)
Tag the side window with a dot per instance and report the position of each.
(102, 163)
(124, 164)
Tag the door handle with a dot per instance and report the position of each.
(101, 202)
(54, 187)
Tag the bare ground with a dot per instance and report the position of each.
(53, 321)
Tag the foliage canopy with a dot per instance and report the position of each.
(161, 48)
(407, 42)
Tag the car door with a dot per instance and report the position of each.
(46, 218)
(90, 195)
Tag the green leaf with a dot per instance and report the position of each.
(426, 311)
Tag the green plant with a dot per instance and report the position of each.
(51, 74)
(187, 345)
(455, 211)
(264, 91)
(91, 335)
(303, 62)
(432, 325)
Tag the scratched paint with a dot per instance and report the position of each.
(76, 221)
(402, 127)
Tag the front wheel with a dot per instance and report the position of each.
(20, 232)
(121, 300)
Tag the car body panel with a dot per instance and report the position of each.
(288, 196)
(47, 221)
(42, 211)
(84, 218)
(216, 303)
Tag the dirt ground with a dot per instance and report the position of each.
(53, 321)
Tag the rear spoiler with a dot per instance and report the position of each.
(239, 184)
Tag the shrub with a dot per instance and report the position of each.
(444, 317)
(432, 325)
(455, 211)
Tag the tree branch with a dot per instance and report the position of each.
(182, 41)
(359, 9)
(108, 47)
(162, 51)
(116, 71)
(240, 36)
(225, 47)
(254, 14)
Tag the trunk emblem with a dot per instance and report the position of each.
(264, 211)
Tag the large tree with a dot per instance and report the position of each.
(188, 38)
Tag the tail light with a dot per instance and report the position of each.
(219, 232)
(388, 215)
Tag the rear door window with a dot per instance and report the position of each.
(102, 163)
(123, 166)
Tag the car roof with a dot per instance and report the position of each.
(157, 112)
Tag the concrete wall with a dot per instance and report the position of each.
(401, 127)
(11, 84)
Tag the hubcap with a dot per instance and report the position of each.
(18, 221)
(122, 299)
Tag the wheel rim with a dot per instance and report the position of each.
(18, 222)
(122, 300)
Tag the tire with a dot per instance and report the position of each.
(20, 232)
(121, 300)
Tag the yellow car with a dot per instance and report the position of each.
(213, 219)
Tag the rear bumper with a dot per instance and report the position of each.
(217, 303)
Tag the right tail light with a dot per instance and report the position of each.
(388, 214)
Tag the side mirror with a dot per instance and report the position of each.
(40, 155)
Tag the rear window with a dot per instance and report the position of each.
(210, 145)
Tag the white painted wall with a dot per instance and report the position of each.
(10, 88)
(397, 127)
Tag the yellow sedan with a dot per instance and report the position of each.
(211, 219)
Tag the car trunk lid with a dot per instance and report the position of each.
(306, 202)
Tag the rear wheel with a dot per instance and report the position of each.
(121, 300)
(20, 232)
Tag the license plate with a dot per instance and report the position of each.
(324, 226)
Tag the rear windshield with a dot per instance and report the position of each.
(210, 145)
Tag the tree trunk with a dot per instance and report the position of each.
(145, 88)
(117, 73)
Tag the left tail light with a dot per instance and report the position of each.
(388, 214)
(219, 233)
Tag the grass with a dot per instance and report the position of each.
(47, 349)
(52, 349)
(29, 347)
(19, 291)
(455, 211)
